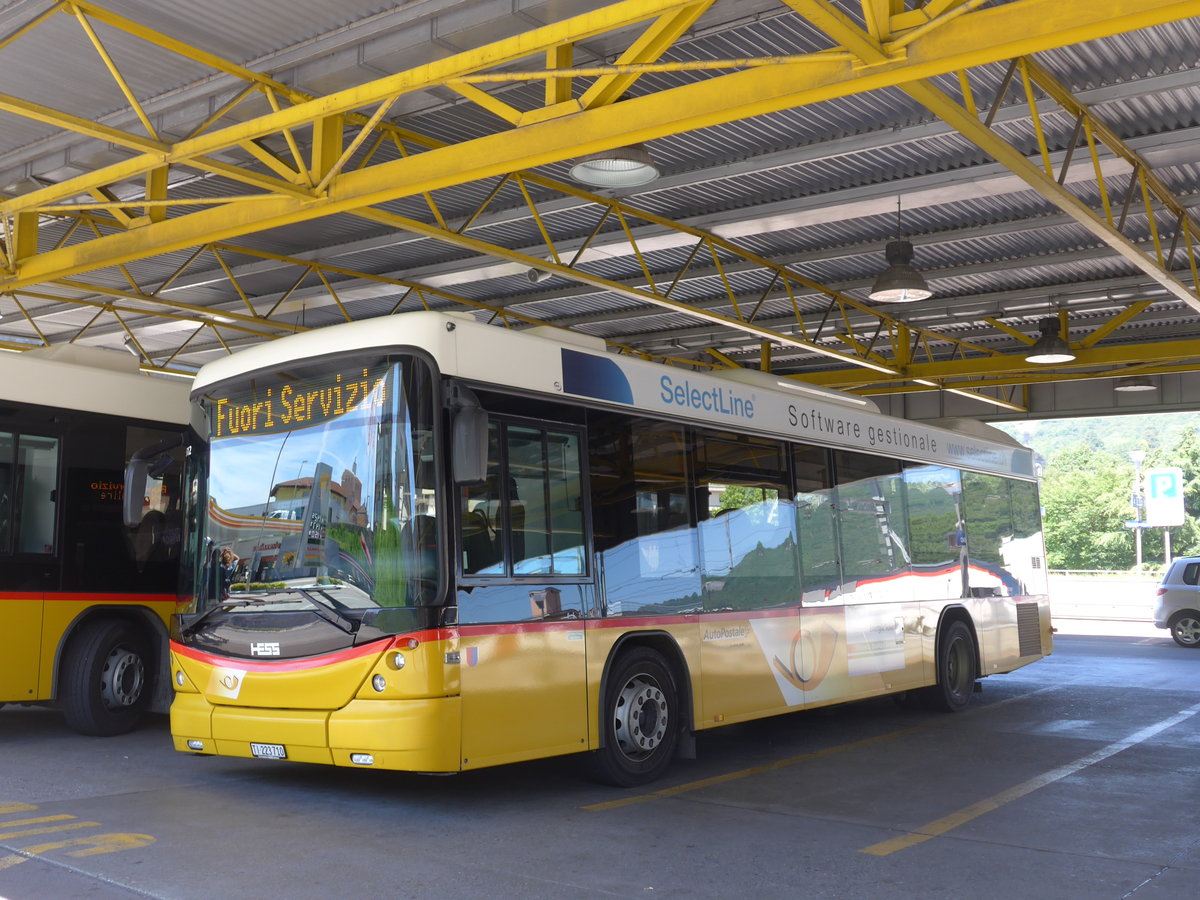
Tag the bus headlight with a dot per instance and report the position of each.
(179, 679)
(379, 683)
(397, 661)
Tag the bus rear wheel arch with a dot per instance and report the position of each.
(641, 717)
(106, 678)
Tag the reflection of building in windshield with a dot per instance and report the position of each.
(289, 499)
(305, 554)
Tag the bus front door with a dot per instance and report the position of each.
(524, 683)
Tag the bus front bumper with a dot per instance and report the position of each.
(404, 735)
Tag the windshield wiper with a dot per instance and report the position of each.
(195, 623)
(326, 610)
(276, 595)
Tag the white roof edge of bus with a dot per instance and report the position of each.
(975, 428)
(433, 329)
(349, 336)
(88, 382)
(93, 357)
(574, 338)
(344, 337)
(767, 380)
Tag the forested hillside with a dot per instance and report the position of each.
(1088, 482)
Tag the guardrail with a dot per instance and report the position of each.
(1116, 596)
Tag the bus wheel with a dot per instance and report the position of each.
(641, 720)
(105, 680)
(956, 669)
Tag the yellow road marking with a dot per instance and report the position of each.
(41, 820)
(962, 816)
(746, 773)
(7, 862)
(96, 844)
(32, 831)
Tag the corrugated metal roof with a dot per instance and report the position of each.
(815, 188)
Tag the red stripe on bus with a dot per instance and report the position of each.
(281, 665)
(625, 622)
(311, 662)
(90, 598)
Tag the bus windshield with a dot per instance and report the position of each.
(321, 490)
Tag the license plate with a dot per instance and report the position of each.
(268, 751)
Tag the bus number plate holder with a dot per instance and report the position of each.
(268, 751)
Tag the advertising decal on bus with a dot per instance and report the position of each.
(712, 399)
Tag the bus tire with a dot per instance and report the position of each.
(105, 682)
(955, 669)
(640, 720)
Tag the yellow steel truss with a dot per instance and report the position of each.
(283, 184)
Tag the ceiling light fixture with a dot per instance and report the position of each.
(619, 167)
(1050, 348)
(899, 282)
(127, 343)
(1134, 383)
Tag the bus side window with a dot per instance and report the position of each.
(527, 517)
(481, 518)
(36, 493)
(6, 488)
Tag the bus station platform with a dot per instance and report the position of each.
(1065, 779)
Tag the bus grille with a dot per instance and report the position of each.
(1029, 631)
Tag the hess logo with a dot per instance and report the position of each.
(264, 648)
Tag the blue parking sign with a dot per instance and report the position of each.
(1164, 497)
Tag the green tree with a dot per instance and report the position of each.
(1085, 499)
(1184, 452)
(1087, 481)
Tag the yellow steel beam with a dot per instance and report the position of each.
(751, 92)
(558, 89)
(972, 39)
(963, 120)
(1101, 332)
(649, 296)
(122, 84)
(655, 41)
(1026, 378)
(1086, 358)
(930, 11)
(156, 190)
(538, 41)
(954, 114)
(720, 99)
(262, 326)
(67, 122)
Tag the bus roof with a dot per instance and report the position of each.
(571, 368)
(92, 380)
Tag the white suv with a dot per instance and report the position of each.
(1178, 604)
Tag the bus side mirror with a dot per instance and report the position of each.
(149, 461)
(135, 491)
(469, 445)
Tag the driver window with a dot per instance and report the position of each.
(527, 517)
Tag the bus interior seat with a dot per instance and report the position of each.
(478, 541)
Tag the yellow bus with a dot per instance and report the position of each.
(85, 598)
(430, 544)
